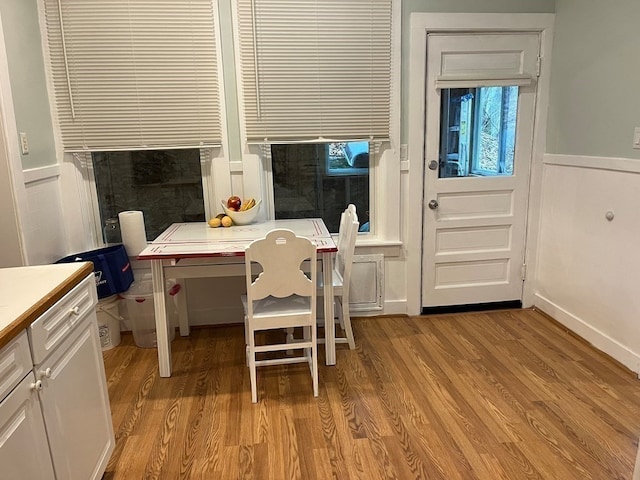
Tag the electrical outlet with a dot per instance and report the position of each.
(24, 144)
(636, 138)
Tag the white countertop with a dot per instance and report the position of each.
(26, 290)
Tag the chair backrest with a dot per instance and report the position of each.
(281, 254)
(347, 246)
(346, 219)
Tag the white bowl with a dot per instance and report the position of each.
(242, 218)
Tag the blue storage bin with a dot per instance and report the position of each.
(111, 268)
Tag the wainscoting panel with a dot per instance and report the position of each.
(588, 260)
(367, 283)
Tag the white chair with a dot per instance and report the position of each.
(281, 296)
(347, 235)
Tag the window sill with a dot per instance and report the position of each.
(376, 242)
(363, 242)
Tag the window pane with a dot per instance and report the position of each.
(166, 185)
(320, 180)
(478, 131)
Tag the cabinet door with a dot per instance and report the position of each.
(75, 405)
(24, 452)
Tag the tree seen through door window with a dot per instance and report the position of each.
(478, 131)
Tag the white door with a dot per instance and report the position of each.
(480, 95)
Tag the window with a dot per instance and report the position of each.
(318, 108)
(478, 131)
(137, 97)
(319, 180)
(166, 185)
(348, 158)
(133, 75)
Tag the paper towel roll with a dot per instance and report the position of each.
(134, 236)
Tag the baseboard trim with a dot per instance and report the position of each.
(596, 338)
(391, 307)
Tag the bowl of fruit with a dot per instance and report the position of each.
(241, 212)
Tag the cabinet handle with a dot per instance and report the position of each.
(37, 385)
(46, 373)
(75, 310)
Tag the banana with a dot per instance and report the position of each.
(247, 204)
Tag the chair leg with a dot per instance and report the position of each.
(337, 308)
(314, 360)
(289, 332)
(252, 375)
(289, 339)
(246, 340)
(346, 323)
(311, 354)
(252, 367)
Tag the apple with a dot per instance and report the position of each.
(234, 202)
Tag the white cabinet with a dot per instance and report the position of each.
(75, 405)
(24, 450)
(60, 409)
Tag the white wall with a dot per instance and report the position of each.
(10, 240)
(587, 269)
(30, 181)
(588, 266)
(45, 240)
(23, 42)
(594, 104)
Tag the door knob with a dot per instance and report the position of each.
(433, 165)
(433, 204)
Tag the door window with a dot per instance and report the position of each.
(478, 131)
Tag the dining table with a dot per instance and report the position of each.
(195, 250)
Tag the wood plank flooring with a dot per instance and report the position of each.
(493, 395)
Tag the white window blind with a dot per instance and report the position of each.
(132, 74)
(314, 69)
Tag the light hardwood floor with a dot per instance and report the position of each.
(497, 395)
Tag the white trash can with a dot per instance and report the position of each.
(141, 313)
(108, 322)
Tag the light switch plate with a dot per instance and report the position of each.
(636, 138)
(403, 152)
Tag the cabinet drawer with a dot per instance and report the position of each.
(57, 323)
(15, 363)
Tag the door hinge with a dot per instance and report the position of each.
(538, 65)
(523, 271)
